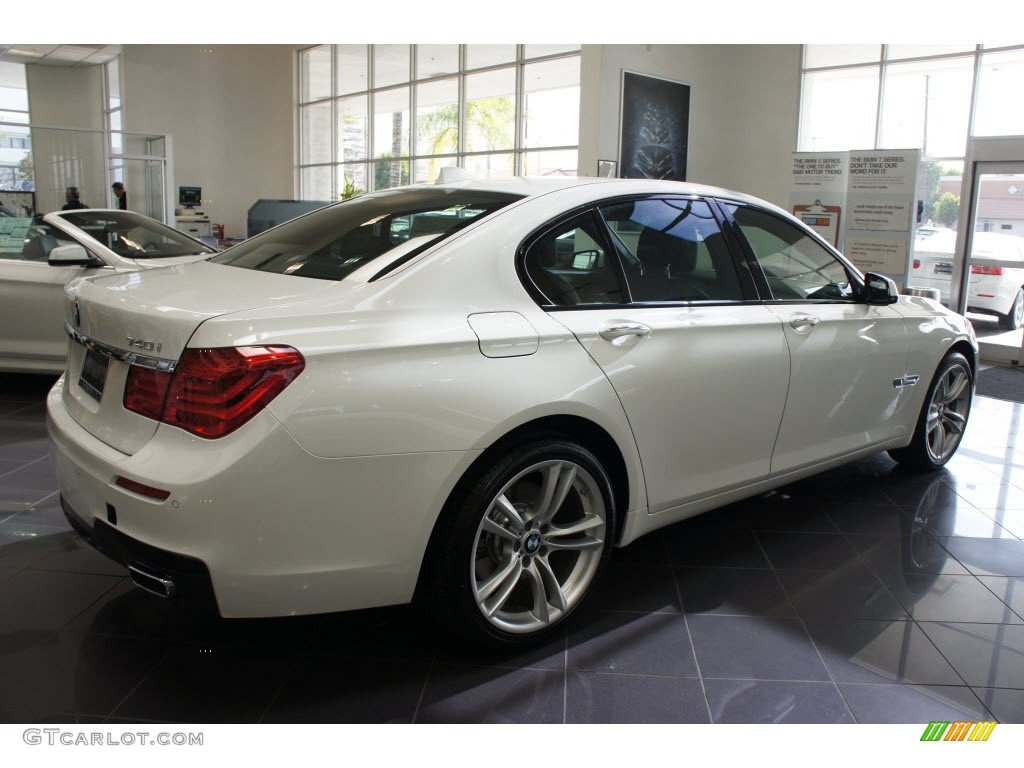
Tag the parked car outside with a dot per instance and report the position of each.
(993, 290)
(39, 254)
(467, 394)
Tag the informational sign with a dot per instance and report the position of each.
(881, 201)
(818, 192)
(878, 254)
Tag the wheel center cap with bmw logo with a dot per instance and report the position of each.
(532, 543)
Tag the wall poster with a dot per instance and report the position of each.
(655, 128)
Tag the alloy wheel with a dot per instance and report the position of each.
(538, 546)
(947, 412)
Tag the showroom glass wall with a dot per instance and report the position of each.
(948, 100)
(378, 116)
(935, 97)
(15, 141)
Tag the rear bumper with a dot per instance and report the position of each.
(279, 531)
(190, 577)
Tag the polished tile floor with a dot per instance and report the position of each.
(867, 594)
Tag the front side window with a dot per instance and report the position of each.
(673, 250)
(797, 267)
(389, 228)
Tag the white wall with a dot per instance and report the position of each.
(67, 97)
(743, 109)
(230, 112)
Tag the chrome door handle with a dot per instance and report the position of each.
(803, 322)
(612, 332)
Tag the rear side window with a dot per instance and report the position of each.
(570, 265)
(29, 239)
(673, 250)
(389, 228)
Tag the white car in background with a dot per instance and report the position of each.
(469, 393)
(39, 254)
(993, 290)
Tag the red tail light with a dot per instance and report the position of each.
(213, 391)
(917, 263)
(986, 270)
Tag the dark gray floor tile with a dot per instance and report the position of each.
(759, 648)
(733, 591)
(873, 519)
(216, 685)
(550, 655)
(851, 591)
(23, 444)
(19, 551)
(599, 698)
(792, 515)
(910, 557)
(949, 597)
(457, 694)
(1005, 704)
(73, 673)
(332, 689)
(985, 655)
(917, 704)
(770, 701)
(647, 550)
(632, 644)
(36, 475)
(6, 573)
(637, 588)
(38, 600)
(988, 557)
(1009, 589)
(864, 651)
(813, 551)
(689, 544)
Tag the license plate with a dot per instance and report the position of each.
(944, 268)
(94, 374)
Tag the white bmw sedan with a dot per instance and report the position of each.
(469, 393)
(40, 254)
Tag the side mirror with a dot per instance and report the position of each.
(71, 255)
(879, 290)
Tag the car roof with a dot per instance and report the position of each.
(533, 186)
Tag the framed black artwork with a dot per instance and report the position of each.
(655, 128)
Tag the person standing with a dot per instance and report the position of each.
(74, 202)
(121, 194)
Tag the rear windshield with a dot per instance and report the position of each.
(389, 228)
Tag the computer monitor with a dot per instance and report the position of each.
(190, 197)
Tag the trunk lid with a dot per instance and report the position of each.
(147, 318)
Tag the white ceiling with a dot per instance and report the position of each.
(58, 55)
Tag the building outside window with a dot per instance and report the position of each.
(378, 116)
(15, 139)
(933, 96)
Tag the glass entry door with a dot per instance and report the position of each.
(992, 280)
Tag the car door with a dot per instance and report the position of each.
(652, 292)
(31, 296)
(848, 358)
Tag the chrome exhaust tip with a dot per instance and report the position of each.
(152, 581)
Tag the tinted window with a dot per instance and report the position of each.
(390, 227)
(570, 265)
(673, 251)
(796, 266)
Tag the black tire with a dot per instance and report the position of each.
(467, 555)
(1013, 320)
(943, 417)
